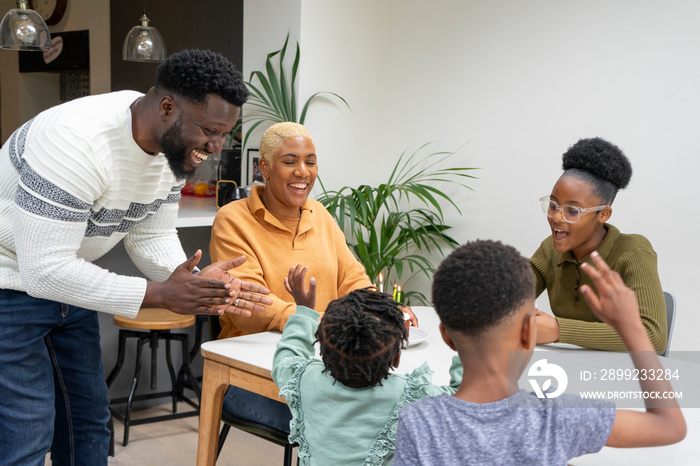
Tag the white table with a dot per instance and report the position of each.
(246, 362)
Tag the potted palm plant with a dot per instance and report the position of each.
(392, 227)
(273, 95)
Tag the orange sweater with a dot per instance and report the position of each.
(247, 228)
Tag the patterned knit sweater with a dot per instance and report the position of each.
(560, 274)
(73, 183)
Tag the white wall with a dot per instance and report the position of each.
(520, 82)
(343, 50)
(266, 24)
(343, 47)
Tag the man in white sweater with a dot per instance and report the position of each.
(74, 181)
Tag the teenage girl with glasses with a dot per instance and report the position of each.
(578, 210)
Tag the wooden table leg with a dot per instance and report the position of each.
(215, 381)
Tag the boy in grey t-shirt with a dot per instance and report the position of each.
(484, 294)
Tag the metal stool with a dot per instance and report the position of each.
(158, 323)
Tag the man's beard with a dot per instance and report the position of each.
(175, 151)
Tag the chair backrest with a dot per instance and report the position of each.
(670, 318)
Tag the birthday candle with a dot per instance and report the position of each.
(381, 283)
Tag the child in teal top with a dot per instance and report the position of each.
(345, 407)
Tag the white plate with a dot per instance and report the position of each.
(416, 335)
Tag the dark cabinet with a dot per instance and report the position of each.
(216, 25)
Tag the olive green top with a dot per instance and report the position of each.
(560, 274)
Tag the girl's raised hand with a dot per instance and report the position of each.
(295, 284)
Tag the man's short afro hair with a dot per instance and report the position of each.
(601, 163)
(194, 74)
(480, 284)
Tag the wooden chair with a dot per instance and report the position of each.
(259, 430)
(151, 326)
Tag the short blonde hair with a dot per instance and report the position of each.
(276, 134)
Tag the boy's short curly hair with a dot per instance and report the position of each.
(360, 335)
(194, 74)
(601, 163)
(480, 284)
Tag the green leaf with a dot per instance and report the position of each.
(273, 93)
(293, 97)
(385, 235)
(313, 96)
(284, 91)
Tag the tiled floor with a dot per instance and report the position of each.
(174, 443)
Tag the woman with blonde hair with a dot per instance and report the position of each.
(277, 227)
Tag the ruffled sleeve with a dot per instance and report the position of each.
(383, 447)
(291, 393)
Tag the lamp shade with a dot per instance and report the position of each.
(144, 43)
(24, 29)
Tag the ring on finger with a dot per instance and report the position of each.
(235, 303)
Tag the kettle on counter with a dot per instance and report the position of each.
(228, 191)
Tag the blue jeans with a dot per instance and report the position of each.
(257, 408)
(53, 395)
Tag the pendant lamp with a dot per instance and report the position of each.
(24, 29)
(144, 43)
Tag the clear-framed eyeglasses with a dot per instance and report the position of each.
(570, 213)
